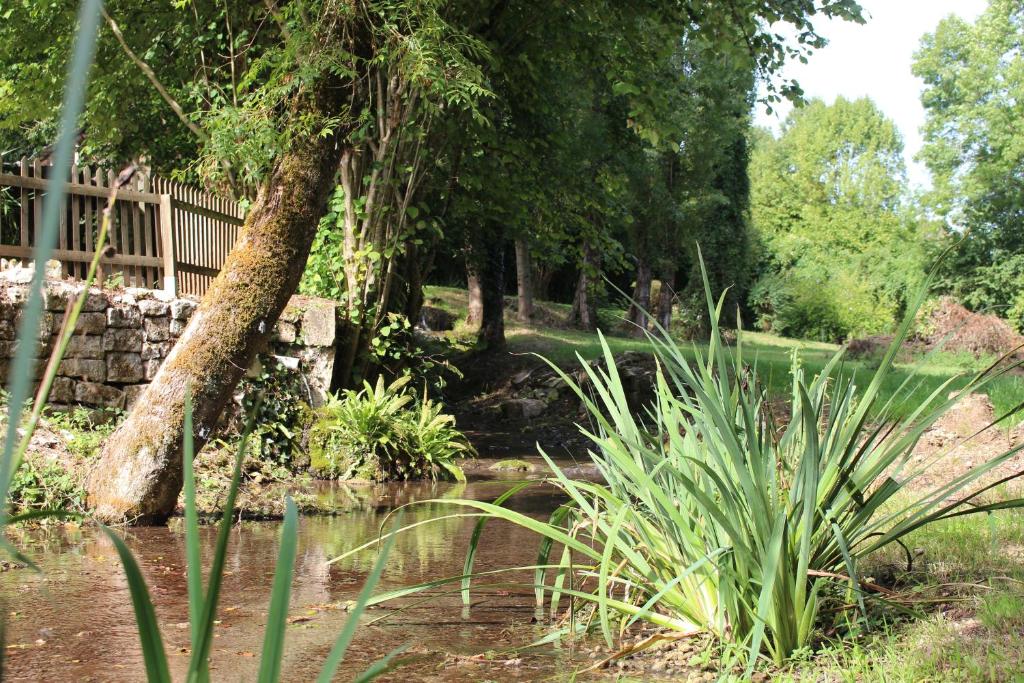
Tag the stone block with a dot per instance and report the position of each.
(182, 309)
(152, 307)
(527, 408)
(55, 298)
(285, 332)
(157, 329)
(84, 368)
(62, 391)
(318, 327)
(91, 323)
(124, 367)
(151, 350)
(18, 295)
(95, 301)
(291, 313)
(8, 331)
(132, 393)
(122, 339)
(95, 394)
(124, 316)
(151, 367)
(85, 346)
(177, 327)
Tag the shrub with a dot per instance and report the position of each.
(826, 307)
(380, 433)
(713, 518)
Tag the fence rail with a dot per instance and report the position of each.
(163, 234)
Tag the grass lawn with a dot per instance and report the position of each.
(910, 384)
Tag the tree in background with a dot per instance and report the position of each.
(974, 148)
(838, 243)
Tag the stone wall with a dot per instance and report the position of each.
(123, 335)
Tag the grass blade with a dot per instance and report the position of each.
(193, 559)
(23, 364)
(153, 653)
(337, 654)
(277, 615)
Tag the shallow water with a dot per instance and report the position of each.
(74, 621)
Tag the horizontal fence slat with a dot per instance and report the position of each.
(82, 256)
(198, 270)
(72, 188)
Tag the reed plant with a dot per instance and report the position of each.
(717, 516)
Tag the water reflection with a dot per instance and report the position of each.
(74, 620)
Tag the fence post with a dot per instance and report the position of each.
(167, 245)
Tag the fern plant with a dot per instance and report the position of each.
(380, 433)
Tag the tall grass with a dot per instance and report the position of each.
(712, 517)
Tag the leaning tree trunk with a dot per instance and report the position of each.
(139, 474)
(640, 306)
(524, 281)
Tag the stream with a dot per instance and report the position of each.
(74, 620)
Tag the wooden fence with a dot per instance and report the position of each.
(163, 234)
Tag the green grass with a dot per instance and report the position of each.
(977, 565)
(771, 354)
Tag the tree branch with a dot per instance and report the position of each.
(151, 75)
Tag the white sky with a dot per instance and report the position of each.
(874, 59)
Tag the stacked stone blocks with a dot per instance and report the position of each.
(123, 336)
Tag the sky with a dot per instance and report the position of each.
(875, 59)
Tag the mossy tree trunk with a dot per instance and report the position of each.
(584, 304)
(139, 473)
(666, 296)
(491, 335)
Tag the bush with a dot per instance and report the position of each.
(830, 307)
(381, 434)
(275, 400)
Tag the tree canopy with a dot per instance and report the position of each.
(974, 148)
(839, 241)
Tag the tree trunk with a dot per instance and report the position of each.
(584, 302)
(665, 297)
(524, 281)
(640, 306)
(139, 472)
(542, 282)
(492, 285)
(475, 308)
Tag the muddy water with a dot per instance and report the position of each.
(74, 622)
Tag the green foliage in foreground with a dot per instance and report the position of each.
(381, 433)
(715, 518)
